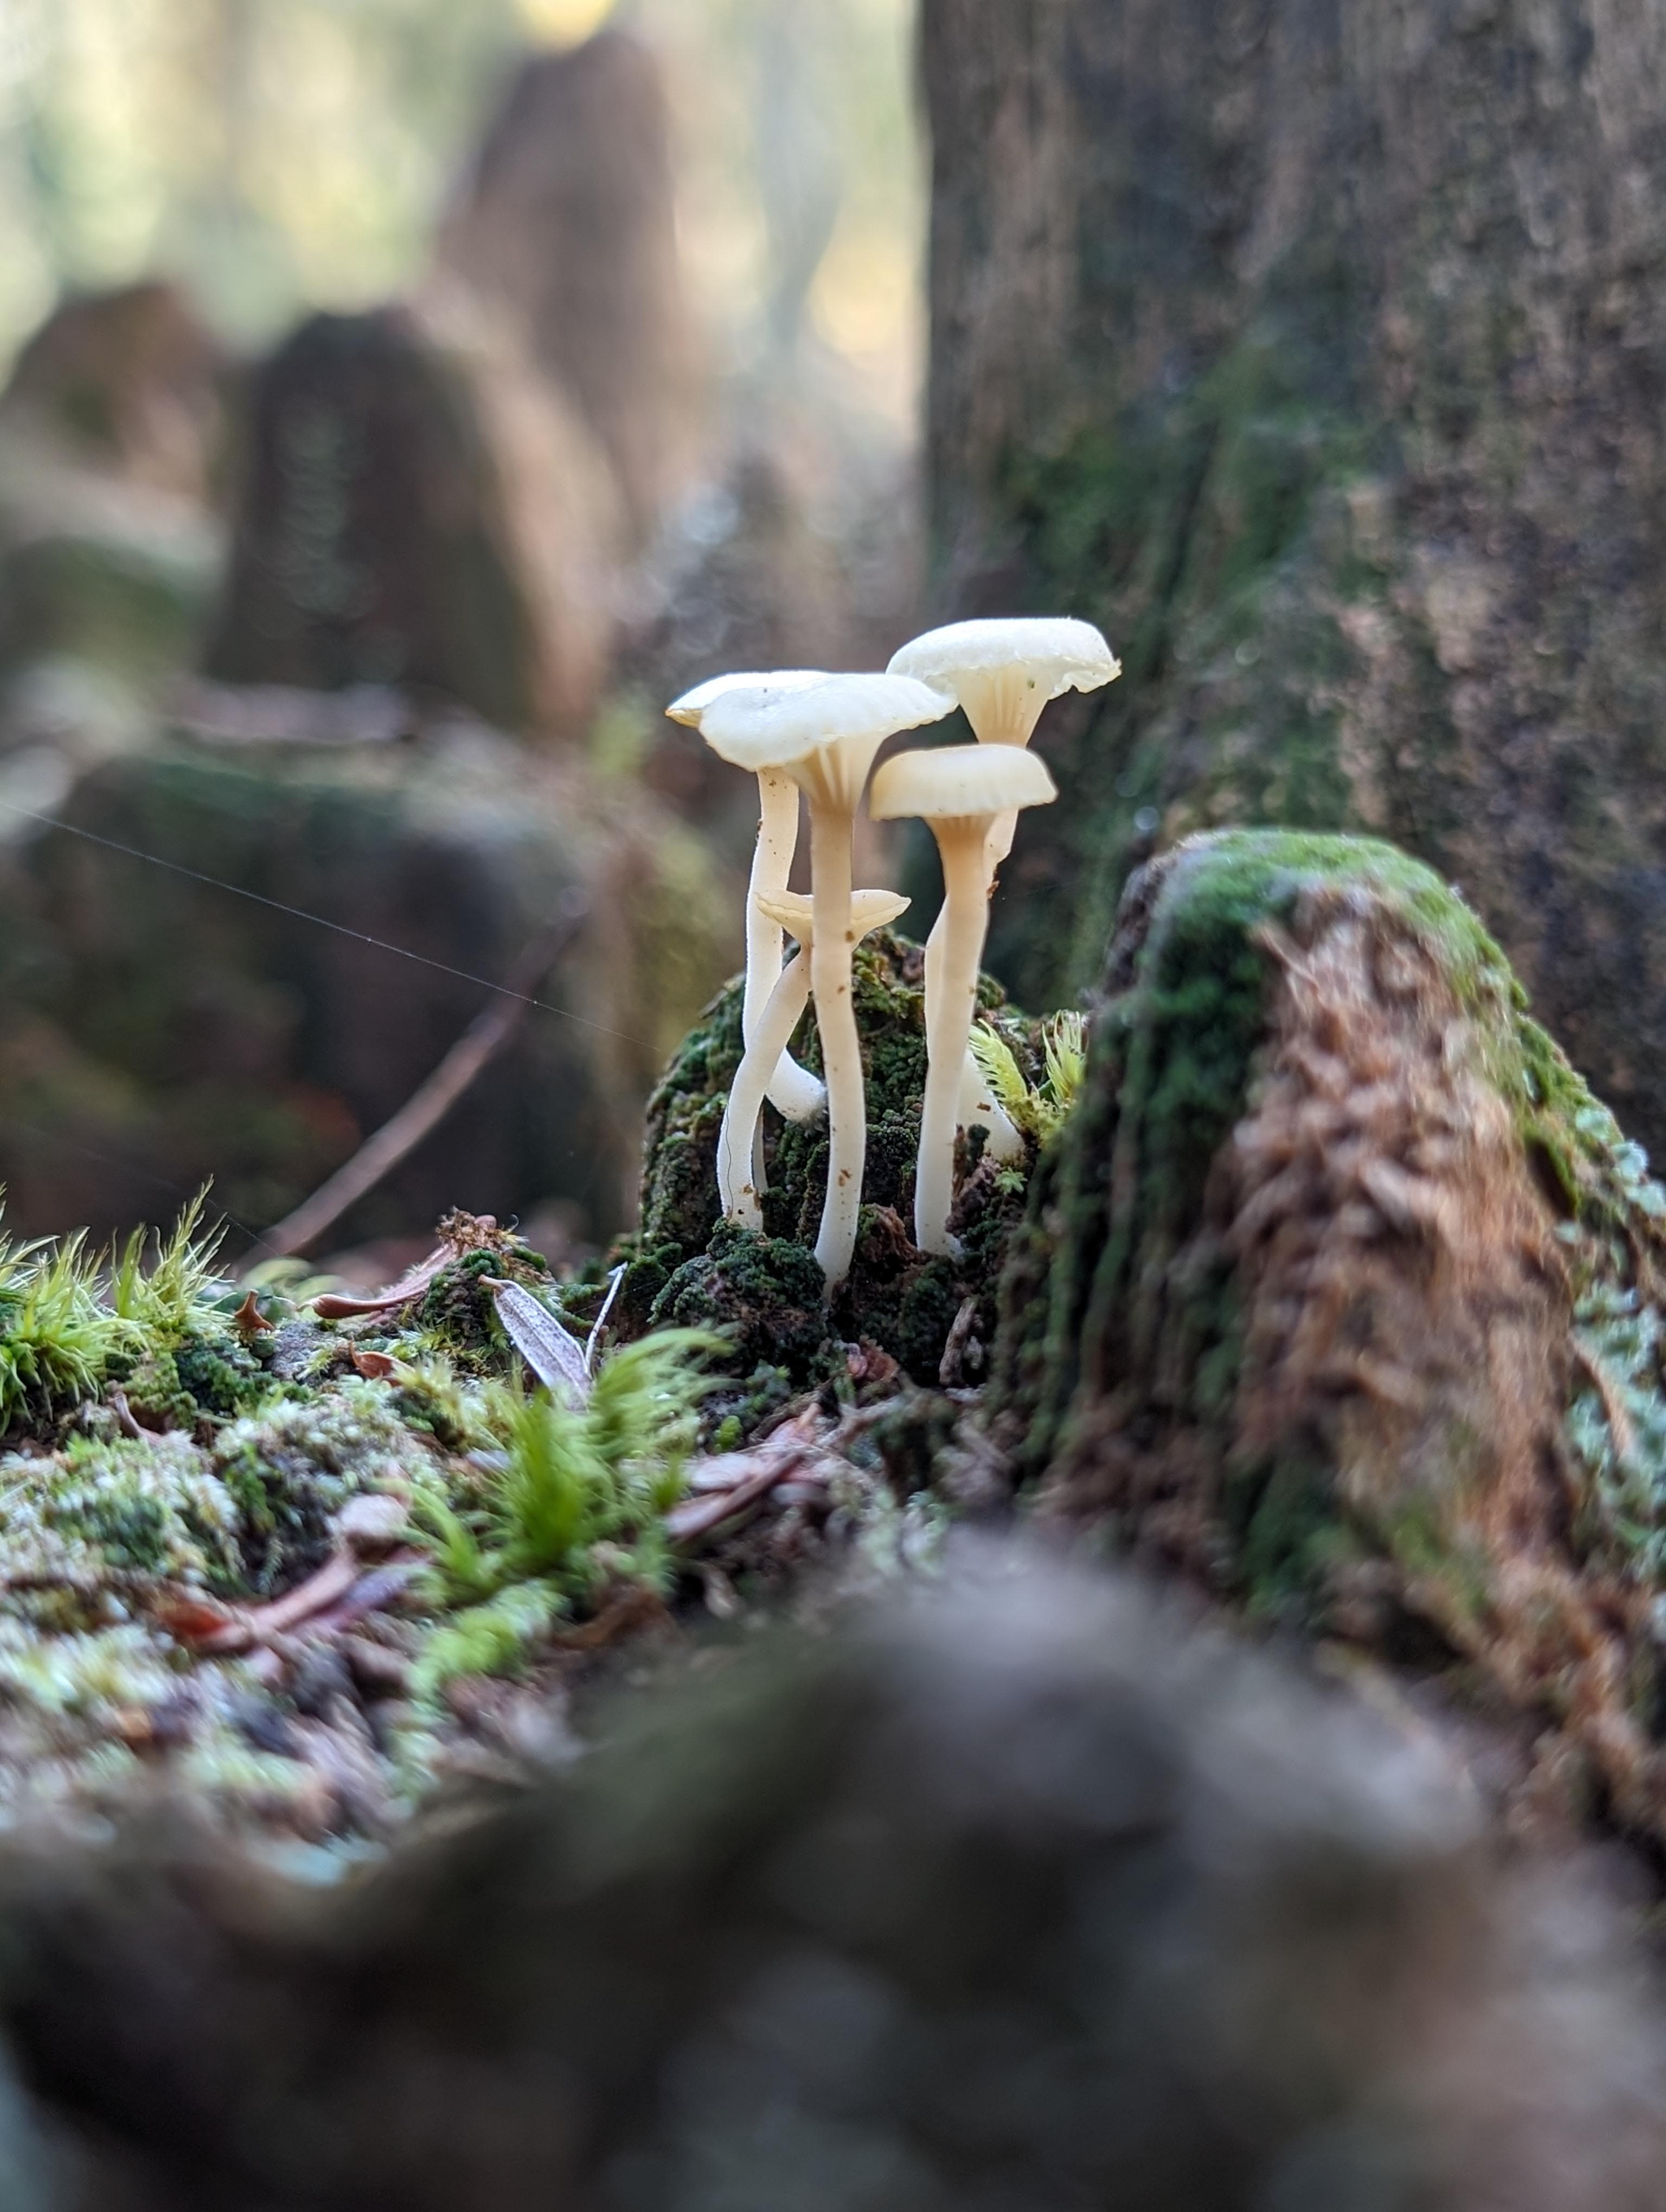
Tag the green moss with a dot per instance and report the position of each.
(1204, 527)
(1169, 1072)
(1283, 1520)
(79, 1527)
(764, 1293)
(290, 1468)
(57, 1337)
(203, 1374)
(457, 1321)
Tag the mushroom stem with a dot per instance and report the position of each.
(739, 1181)
(974, 1105)
(965, 920)
(791, 1089)
(833, 936)
(977, 1109)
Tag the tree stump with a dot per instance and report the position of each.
(1340, 1292)
(568, 225)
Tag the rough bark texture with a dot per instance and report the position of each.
(1317, 348)
(1341, 1292)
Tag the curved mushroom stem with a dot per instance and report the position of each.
(833, 936)
(977, 1107)
(974, 1105)
(739, 1181)
(792, 1090)
(949, 1022)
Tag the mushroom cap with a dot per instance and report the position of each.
(1057, 652)
(693, 704)
(825, 734)
(958, 782)
(869, 910)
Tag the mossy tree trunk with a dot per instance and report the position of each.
(1318, 353)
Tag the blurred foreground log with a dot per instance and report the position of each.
(1020, 1895)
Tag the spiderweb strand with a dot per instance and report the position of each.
(301, 914)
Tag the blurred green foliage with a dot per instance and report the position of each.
(278, 153)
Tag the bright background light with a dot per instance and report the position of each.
(277, 155)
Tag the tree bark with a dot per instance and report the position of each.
(1317, 348)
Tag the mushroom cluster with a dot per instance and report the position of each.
(801, 732)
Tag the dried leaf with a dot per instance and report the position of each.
(553, 1353)
(199, 1621)
(374, 1366)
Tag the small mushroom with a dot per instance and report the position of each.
(737, 1186)
(793, 1090)
(1001, 673)
(960, 790)
(826, 737)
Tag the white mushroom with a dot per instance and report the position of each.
(793, 1090)
(738, 1186)
(1001, 673)
(960, 791)
(826, 737)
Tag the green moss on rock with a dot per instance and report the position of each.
(765, 1292)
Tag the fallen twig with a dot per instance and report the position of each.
(484, 1037)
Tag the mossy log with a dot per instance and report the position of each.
(1341, 1292)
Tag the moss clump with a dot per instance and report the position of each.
(105, 1517)
(1173, 1053)
(141, 1561)
(176, 1385)
(57, 1338)
(764, 1292)
(292, 1466)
